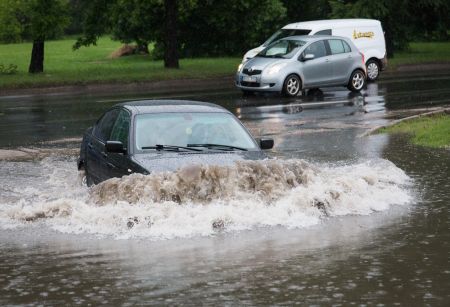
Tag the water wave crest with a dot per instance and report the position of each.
(202, 199)
(265, 181)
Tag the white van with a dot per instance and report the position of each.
(366, 34)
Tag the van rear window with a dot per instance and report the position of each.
(323, 32)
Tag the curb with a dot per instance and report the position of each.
(153, 87)
(373, 130)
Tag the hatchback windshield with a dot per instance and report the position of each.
(190, 129)
(285, 33)
(284, 48)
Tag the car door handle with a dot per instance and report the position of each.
(349, 57)
(104, 154)
(327, 60)
(90, 145)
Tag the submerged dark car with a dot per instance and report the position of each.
(163, 135)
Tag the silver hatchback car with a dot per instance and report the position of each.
(303, 62)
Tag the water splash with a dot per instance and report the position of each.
(202, 200)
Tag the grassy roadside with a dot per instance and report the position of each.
(431, 131)
(63, 66)
(421, 53)
(92, 65)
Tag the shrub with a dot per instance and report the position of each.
(11, 69)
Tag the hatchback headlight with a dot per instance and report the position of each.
(239, 67)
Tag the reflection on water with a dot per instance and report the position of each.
(395, 256)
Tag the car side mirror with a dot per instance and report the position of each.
(307, 57)
(115, 146)
(266, 143)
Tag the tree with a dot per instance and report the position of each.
(46, 18)
(171, 34)
(12, 21)
(140, 21)
(136, 21)
(432, 23)
(95, 21)
(219, 28)
(305, 10)
(392, 14)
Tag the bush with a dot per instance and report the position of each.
(11, 69)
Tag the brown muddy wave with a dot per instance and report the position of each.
(266, 180)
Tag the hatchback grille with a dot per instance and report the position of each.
(252, 72)
(250, 84)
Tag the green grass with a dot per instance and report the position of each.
(432, 131)
(418, 53)
(91, 65)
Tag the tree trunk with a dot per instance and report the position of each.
(389, 42)
(37, 57)
(171, 29)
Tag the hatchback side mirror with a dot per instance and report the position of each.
(115, 146)
(266, 143)
(307, 57)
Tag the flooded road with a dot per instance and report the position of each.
(366, 222)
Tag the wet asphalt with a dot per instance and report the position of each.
(395, 257)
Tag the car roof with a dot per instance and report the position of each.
(332, 23)
(311, 38)
(163, 106)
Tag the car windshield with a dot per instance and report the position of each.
(213, 130)
(285, 33)
(284, 48)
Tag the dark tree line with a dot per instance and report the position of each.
(192, 28)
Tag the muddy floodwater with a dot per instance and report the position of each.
(333, 219)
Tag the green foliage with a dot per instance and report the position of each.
(95, 16)
(47, 18)
(9, 70)
(12, 20)
(304, 10)
(431, 131)
(136, 20)
(401, 19)
(32, 19)
(392, 13)
(207, 28)
(433, 21)
(215, 27)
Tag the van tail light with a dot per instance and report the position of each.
(363, 62)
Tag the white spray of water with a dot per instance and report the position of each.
(201, 200)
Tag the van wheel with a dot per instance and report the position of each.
(373, 70)
(292, 85)
(357, 81)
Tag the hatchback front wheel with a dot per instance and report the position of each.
(292, 85)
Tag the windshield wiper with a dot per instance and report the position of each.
(218, 146)
(170, 148)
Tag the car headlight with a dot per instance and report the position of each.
(239, 67)
(274, 69)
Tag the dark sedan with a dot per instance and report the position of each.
(164, 135)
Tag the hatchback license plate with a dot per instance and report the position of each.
(249, 79)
